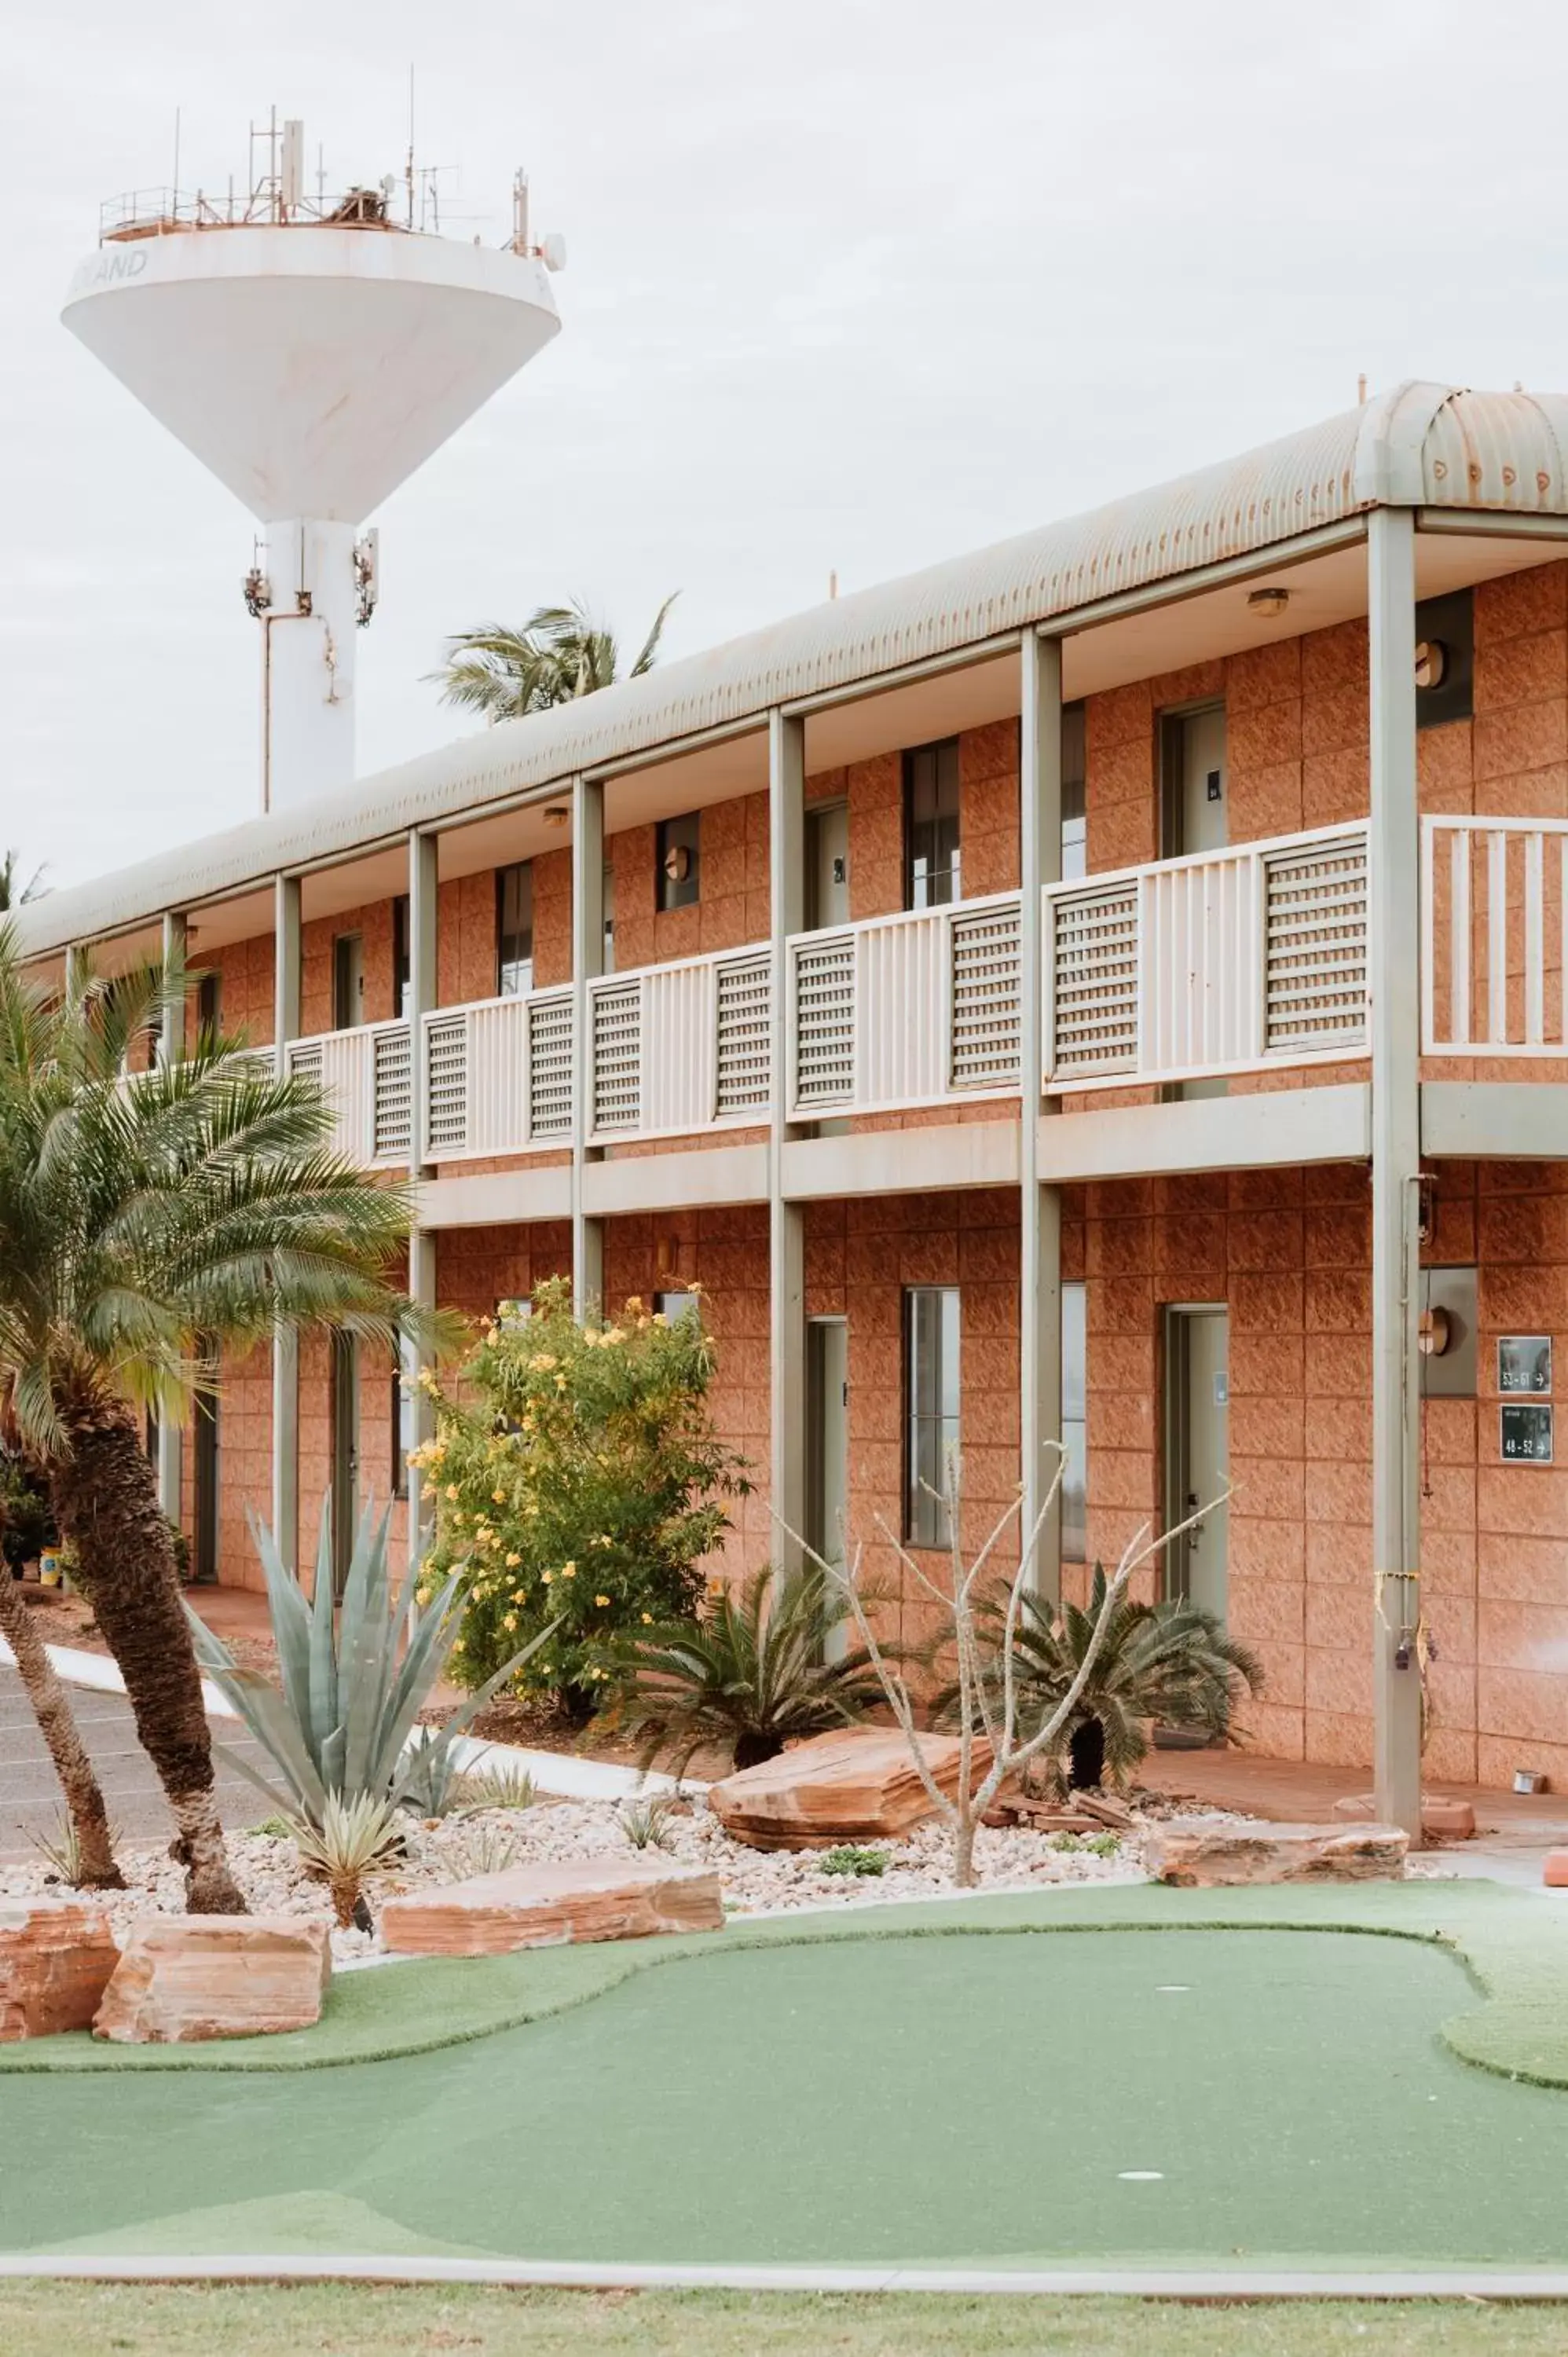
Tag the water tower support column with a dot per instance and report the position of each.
(308, 630)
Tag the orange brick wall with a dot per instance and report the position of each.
(1289, 1252)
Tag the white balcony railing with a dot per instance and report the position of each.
(1494, 937)
(680, 1048)
(498, 1076)
(1190, 969)
(906, 1011)
(367, 1076)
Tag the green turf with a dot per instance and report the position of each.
(63, 2319)
(1513, 1943)
(885, 2100)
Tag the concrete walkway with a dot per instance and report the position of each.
(30, 1802)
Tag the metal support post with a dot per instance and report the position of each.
(1394, 931)
(1040, 1323)
(423, 994)
(587, 961)
(286, 1343)
(171, 1051)
(787, 1249)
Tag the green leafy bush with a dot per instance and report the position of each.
(27, 1523)
(848, 1860)
(578, 1483)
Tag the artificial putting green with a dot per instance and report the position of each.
(1147, 2089)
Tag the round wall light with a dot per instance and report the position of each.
(1267, 604)
(1431, 663)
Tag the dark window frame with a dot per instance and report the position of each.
(933, 836)
(931, 1419)
(516, 926)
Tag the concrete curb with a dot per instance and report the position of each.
(1196, 2282)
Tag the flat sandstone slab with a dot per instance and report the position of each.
(186, 1977)
(1197, 1851)
(56, 1957)
(857, 1784)
(553, 1906)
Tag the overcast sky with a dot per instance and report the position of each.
(852, 283)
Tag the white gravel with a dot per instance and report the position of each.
(754, 1881)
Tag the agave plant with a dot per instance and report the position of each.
(748, 1676)
(354, 1678)
(1171, 1662)
(355, 1841)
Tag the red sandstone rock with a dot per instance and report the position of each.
(858, 1783)
(553, 1906)
(1554, 1871)
(1211, 1853)
(56, 1957)
(195, 1976)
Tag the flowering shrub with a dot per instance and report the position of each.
(575, 1470)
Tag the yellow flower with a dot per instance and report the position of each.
(659, 1318)
(601, 1601)
(509, 1620)
(520, 1596)
(560, 1383)
(604, 1540)
(512, 1561)
(615, 1335)
(498, 1497)
(568, 1571)
(541, 1363)
(427, 1490)
(648, 1620)
(547, 1577)
(451, 1490)
(634, 1301)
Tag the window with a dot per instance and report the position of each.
(1444, 658)
(1075, 1387)
(931, 825)
(514, 930)
(930, 1390)
(404, 1425)
(513, 1313)
(670, 1306)
(680, 860)
(402, 971)
(1075, 805)
(348, 982)
(209, 1004)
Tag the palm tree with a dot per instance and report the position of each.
(83, 1795)
(559, 653)
(14, 894)
(200, 1199)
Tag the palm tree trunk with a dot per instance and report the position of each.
(83, 1798)
(105, 1503)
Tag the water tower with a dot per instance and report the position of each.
(311, 351)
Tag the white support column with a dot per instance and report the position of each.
(1040, 1294)
(1396, 1164)
(286, 1345)
(423, 992)
(786, 1250)
(587, 961)
(171, 1051)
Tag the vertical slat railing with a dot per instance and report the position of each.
(1495, 947)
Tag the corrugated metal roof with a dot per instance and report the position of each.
(1422, 445)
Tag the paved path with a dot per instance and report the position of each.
(29, 1792)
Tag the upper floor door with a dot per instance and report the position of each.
(348, 982)
(1196, 814)
(827, 866)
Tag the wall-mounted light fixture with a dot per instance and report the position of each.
(1267, 604)
(1431, 663)
(557, 814)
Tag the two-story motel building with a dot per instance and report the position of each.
(1233, 817)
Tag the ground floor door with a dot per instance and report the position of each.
(827, 1443)
(1198, 1448)
(345, 1453)
(204, 1563)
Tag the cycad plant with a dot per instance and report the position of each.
(560, 653)
(355, 1842)
(353, 1678)
(1172, 1662)
(749, 1674)
(200, 1200)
